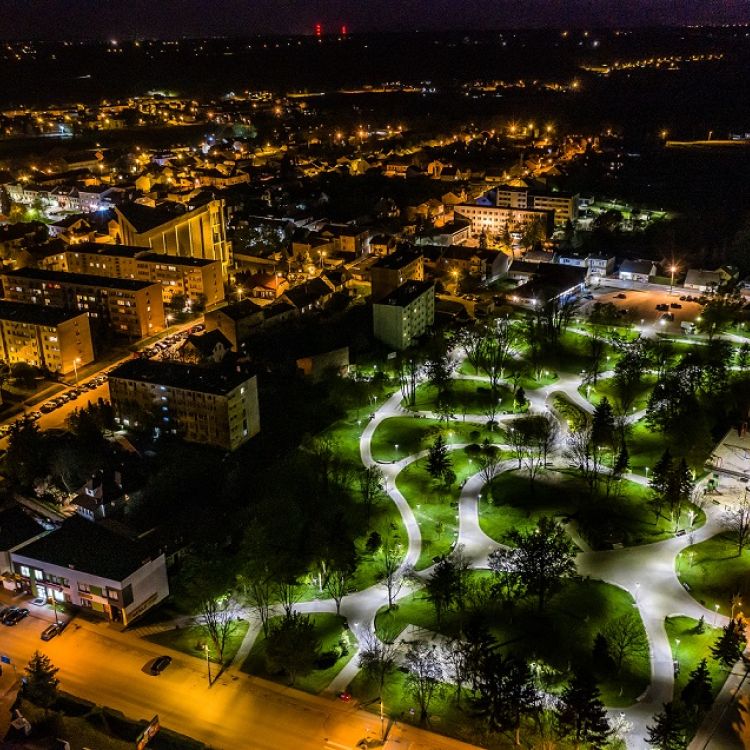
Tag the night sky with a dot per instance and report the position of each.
(60, 19)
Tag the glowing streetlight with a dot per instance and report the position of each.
(672, 270)
(208, 663)
(716, 615)
(76, 362)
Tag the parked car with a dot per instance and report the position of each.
(622, 296)
(48, 407)
(52, 630)
(160, 664)
(676, 306)
(14, 615)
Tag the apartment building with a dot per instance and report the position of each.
(46, 337)
(565, 205)
(405, 314)
(391, 271)
(493, 220)
(126, 306)
(88, 565)
(214, 405)
(196, 230)
(199, 280)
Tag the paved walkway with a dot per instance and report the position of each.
(647, 572)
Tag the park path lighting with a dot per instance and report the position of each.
(716, 614)
(736, 602)
(637, 591)
(208, 663)
(672, 270)
(677, 649)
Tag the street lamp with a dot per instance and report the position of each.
(672, 270)
(637, 590)
(716, 615)
(76, 362)
(677, 649)
(208, 663)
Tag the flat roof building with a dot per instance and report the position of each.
(405, 314)
(391, 271)
(46, 337)
(216, 405)
(90, 566)
(126, 306)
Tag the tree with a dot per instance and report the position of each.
(717, 314)
(543, 558)
(473, 340)
(28, 455)
(377, 659)
(668, 731)
(337, 584)
(441, 587)
(510, 585)
(370, 488)
(496, 353)
(596, 350)
(506, 692)
(409, 369)
(439, 370)
(660, 480)
(489, 462)
(696, 694)
(424, 676)
(41, 681)
(625, 638)
(581, 714)
(393, 575)
(729, 646)
(292, 646)
(737, 523)
(438, 459)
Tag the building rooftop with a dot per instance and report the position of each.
(89, 547)
(219, 381)
(42, 315)
(240, 310)
(80, 279)
(406, 293)
(144, 218)
(16, 527)
(135, 251)
(403, 256)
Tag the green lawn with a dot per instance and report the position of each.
(190, 641)
(562, 636)
(646, 447)
(571, 355)
(692, 648)
(623, 518)
(715, 573)
(413, 435)
(329, 629)
(607, 388)
(466, 397)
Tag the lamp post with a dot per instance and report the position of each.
(672, 270)
(76, 362)
(637, 590)
(208, 663)
(716, 614)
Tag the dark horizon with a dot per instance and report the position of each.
(168, 19)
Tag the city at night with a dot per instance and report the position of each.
(374, 375)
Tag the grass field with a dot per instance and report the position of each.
(715, 573)
(561, 636)
(190, 641)
(329, 629)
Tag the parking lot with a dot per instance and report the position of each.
(641, 305)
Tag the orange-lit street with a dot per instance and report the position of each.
(103, 665)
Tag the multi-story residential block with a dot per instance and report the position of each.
(90, 566)
(391, 271)
(240, 320)
(126, 306)
(211, 405)
(193, 231)
(486, 218)
(405, 314)
(565, 205)
(47, 337)
(199, 280)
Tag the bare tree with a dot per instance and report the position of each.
(456, 656)
(219, 618)
(257, 591)
(408, 373)
(489, 463)
(288, 593)
(370, 487)
(424, 678)
(626, 638)
(737, 522)
(473, 341)
(337, 584)
(377, 658)
(393, 575)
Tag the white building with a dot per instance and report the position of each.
(405, 314)
(89, 566)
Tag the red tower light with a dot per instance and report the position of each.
(343, 30)
(318, 29)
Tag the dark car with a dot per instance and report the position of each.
(52, 630)
(621, 296)
(160, 664)
(676, 306)
(15, 615)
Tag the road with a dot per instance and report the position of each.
(105, 666)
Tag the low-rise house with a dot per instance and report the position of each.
(405, 314)
(704, 281)
(546, 283)
(310, 295)
(641, 271)
(601, 265)
(266, 286)
(101, 496)
(319, 365)
(89, 566)
(452, 233)
(207, 347)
